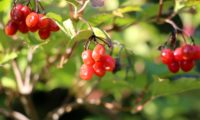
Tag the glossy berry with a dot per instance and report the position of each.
(11, 28)
(43, 23)
(196, 52)
(44, 33)
(87, 57)
(167, 56)
(53, 26)
(188, 52)
(22, 27)
(33, 29)
(98, 52)
(108, 62)
(173, 66)
(187, 65)
(86, 72)
(16, 13)
(26, 11)
(99, 69)
(32, 20)
(178, 55)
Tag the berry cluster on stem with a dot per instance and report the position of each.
(24, 19)
(96, 62)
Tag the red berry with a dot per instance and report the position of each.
(11, 28)
(43, 23)
(178, 55)
(87, 57)
(32, 20)
(26, 11)
(44, 33)
(188, 52)
(196, 52)
(108, 62)
(86, 72)
(98, 52)
(167, 56)
(173, 67)
(99, 69)
(22, 27)
(16, 14)
(33, 29)
(187, 65)
(53, 26)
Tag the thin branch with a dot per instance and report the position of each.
(81, 10)
(13, 114)
(160, 9)
(18, 75)
(29, 106)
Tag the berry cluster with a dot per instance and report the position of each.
(24, 20)
(96, 62)
(183, 57)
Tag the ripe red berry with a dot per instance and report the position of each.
(187, 65)
(53, 26)
(44, 33)
(108, 62)
(188, 52)
(98, 52)
(99, 69)
(43, 23)
(86, 72)
(167, 56)
(22, 27)
(173, 66)
(16, 14)
(11, 28)
(33, 29)
(26, 11)
(32, 20)
(196, 52)
(87, 57)
(178, 55)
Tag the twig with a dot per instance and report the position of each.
(81, 10)
(66, 108)
(13, 114)
(160, 9)
(36, 6)
(29, 107)
(18, 76)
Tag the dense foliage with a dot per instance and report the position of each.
(40, 74)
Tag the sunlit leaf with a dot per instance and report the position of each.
(54, 16)
(7, 57)
(83, 35)
(69, 27)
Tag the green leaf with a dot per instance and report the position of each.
(99, 33)
(83, 35)
(69, 27)
(54, 16)
(124, 21)
(163, 87)
(7, 57)
(100, 19)
(8, 82)
(121, 11)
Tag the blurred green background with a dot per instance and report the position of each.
(143, 89)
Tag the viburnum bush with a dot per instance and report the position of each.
(99, 59)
